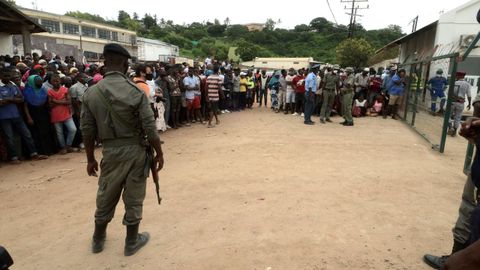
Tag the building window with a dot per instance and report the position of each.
(296, 63)
(115, 36)
(90, 55)
(88, 31)
(70, 29)
(133, 40)
(51, 26)
(35, 20)
(103, 34)
(264, 63)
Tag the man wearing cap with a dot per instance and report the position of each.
(310, 90)
(461, 90)
(437, 87)
(347, 97)
(118, 112)
(362, 81)
(329, 92)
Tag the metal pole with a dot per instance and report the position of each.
(417, 92)
(448, 110)
(80, 32)
(350, 30)
(407, 94)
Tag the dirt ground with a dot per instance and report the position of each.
(260, 191)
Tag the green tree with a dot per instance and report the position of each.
(354, 52)
(270, 24)
(149, 21)
(123, 18)
(216, 30)
(237, 31)
(86, 16)
(302, 28)
(321, 24)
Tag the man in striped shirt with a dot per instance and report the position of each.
(213, 85)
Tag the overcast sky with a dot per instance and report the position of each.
(380, 14)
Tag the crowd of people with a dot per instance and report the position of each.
(41, 97)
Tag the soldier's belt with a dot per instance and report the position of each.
(458, 99)
(121, 142)
(346, 91)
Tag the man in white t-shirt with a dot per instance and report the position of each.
(290, 98)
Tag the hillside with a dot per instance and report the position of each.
(317, 39)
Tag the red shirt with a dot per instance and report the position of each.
(298, 83)
(59, 113)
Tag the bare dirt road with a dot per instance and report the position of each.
(260, 191)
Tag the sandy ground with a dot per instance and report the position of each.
(260, 191)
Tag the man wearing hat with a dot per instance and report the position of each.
(437, 87)
(362, 81)
(347, 97)
(461, 90)
(329, 91)
(118, 112)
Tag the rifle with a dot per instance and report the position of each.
(153, 169)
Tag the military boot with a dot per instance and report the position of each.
(386, 111)
(287, 108)
(437, 262)
(134, 240)
(394, 112)
(99, 236)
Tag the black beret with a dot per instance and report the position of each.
(114, 48)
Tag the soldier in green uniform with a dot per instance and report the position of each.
(119, 113)
(347, 97)
(329, 92)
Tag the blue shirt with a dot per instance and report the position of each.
(438, 83)
(397, 87)
(311, 83)
(9, 111)
(35, 98)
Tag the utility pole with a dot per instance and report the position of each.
(353, 14)
(414, 23)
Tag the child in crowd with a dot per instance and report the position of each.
(377, 107)
(359, 107)
(61, 115)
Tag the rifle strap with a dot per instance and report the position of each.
(108, 105)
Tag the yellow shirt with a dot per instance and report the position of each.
(243, 88)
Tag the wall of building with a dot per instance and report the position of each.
(67, 36)
(279, 63)
(153, 50)
(451, 27)
(418, 46)
(6, 45)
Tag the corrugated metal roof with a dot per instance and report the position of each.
(407, 37)
(12, 20)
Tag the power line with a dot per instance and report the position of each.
(332, 12)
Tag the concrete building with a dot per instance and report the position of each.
(15, 22)
(69, 36)
(255, 26)
(274, 63)
(150, 50)
(453, 32)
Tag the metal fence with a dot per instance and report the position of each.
(416, 109)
